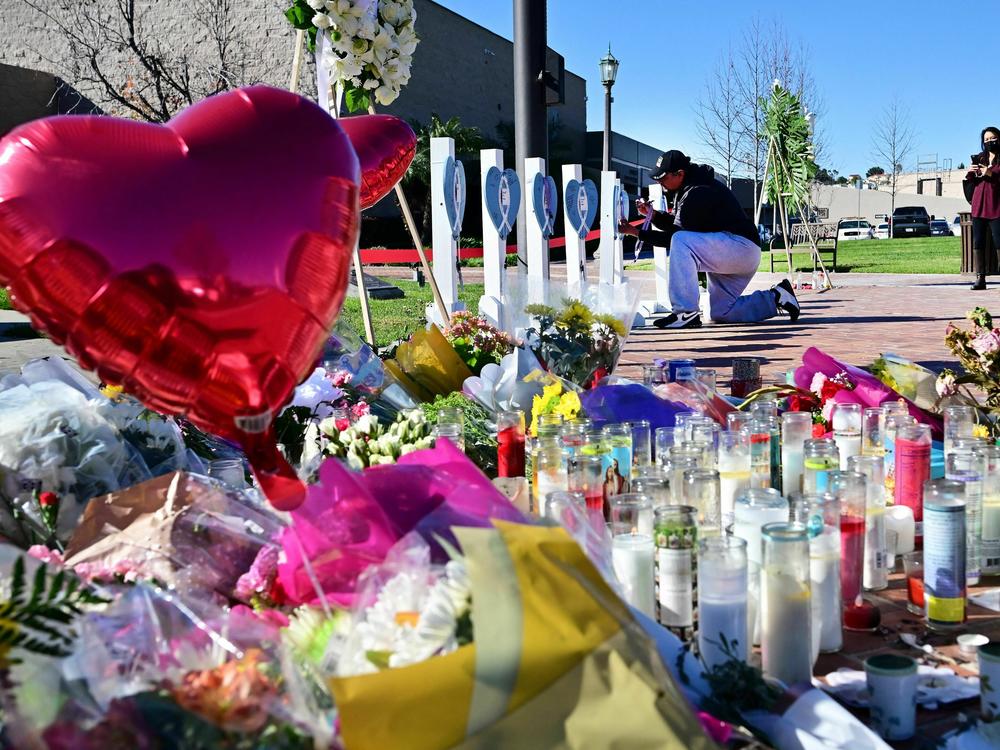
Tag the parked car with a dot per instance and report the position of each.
(940, 228)
(853, 229)
(911, 221)
(881, 232)
(956, 226)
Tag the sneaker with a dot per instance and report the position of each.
(785, 297)
(679, 320)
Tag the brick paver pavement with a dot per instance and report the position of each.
(862, 317)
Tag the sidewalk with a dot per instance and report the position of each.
(864, 316)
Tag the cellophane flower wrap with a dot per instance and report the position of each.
(977, 349)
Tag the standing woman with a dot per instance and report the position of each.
(985, 175)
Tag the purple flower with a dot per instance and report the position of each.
(986, 343)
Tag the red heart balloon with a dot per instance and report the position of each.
(385, 146)
(199, 264)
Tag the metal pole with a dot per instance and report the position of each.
(530, 124)
(606, 157)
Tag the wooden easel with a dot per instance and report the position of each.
(404, 206)
(781, 213)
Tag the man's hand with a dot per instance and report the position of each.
(625, 228)
(644, 207)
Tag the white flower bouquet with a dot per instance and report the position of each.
(365, 46)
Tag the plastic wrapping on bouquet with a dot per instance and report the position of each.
(199, 264)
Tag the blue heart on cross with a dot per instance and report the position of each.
(545, 200)
(454, 194)
(581, 205)
(503, 199)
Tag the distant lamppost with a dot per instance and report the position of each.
(609, 70)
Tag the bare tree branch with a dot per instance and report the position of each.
(113, 50)
(893, 141)
(717, 116)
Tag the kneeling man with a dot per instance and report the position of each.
(710, 232)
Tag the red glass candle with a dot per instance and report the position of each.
(510, 444)
(913, 468)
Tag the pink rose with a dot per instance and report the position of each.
(46, 555)
(986, 343)
(818, 380)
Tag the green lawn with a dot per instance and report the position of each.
(917, 255)
(4, 299)
(397, 318)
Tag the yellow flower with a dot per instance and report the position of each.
(544, 404)
(569, 406)
(576, 315)
(613, 323)
(112, 392)
(980, 431)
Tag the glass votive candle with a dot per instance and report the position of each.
(796, 428)
(737, 420)
(892, 684)
(944, 553)
(573, 435)
(785, 604)
(876, 572)
(655, 487)
(549, 473)
(820, 457)
(682, 425)
(967, 466)
(759, 435)
(764, 408)
(676, 536)
(654, 374)
(585, 475)
(959, 422)
(705, 435)
(618, 461)
(734, 470)
(701, 491)
(510, 444)
(912, 457)
(913, 568)
(680, 369)
(632, 558)
(746, 376)
(821, 516)
(453, 432)
(722, 600)
(631, 513)
(990, 538)
(664, 440)
(754, 509)
(674, 469)
(989, 681)
(851, 489)
(846, 419)
(871, 438)
(642, 453)
(451, 415)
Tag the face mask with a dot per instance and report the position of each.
(992, 146)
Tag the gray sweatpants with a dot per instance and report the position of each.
(730, 262)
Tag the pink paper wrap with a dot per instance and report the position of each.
(869, 391)
(350, 520)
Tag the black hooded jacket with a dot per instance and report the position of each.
(704, 205)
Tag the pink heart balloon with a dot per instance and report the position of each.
(199, 263)
(385, 146)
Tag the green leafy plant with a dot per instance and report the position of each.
(39, 619)
(480, 443)
(476, 341)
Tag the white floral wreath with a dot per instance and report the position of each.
(366, 47)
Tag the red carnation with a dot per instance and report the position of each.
(48, 499)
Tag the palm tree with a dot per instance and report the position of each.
(468, 140)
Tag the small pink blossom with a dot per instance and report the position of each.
(945, 384)
(259, 579)
(340, 377)
(986, 343)
(46, 555)
(360, 409)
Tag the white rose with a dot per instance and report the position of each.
(348, 26)
(322, 21)
(370, 84)
(385, 95)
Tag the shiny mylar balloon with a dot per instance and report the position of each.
(385, 146)
(199, 264)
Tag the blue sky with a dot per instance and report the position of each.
(861, 54)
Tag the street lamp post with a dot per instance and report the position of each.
(609, 70)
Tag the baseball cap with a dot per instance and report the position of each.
(670, 161)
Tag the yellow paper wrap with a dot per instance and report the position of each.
(558, 662)
(428, 365)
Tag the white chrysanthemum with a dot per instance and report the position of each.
(322, 21)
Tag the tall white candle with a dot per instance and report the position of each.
(824, 577)
(792, 466)
(734, 478)
(849, 444)
(632, 557)
(785, 607)
(899, 518)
